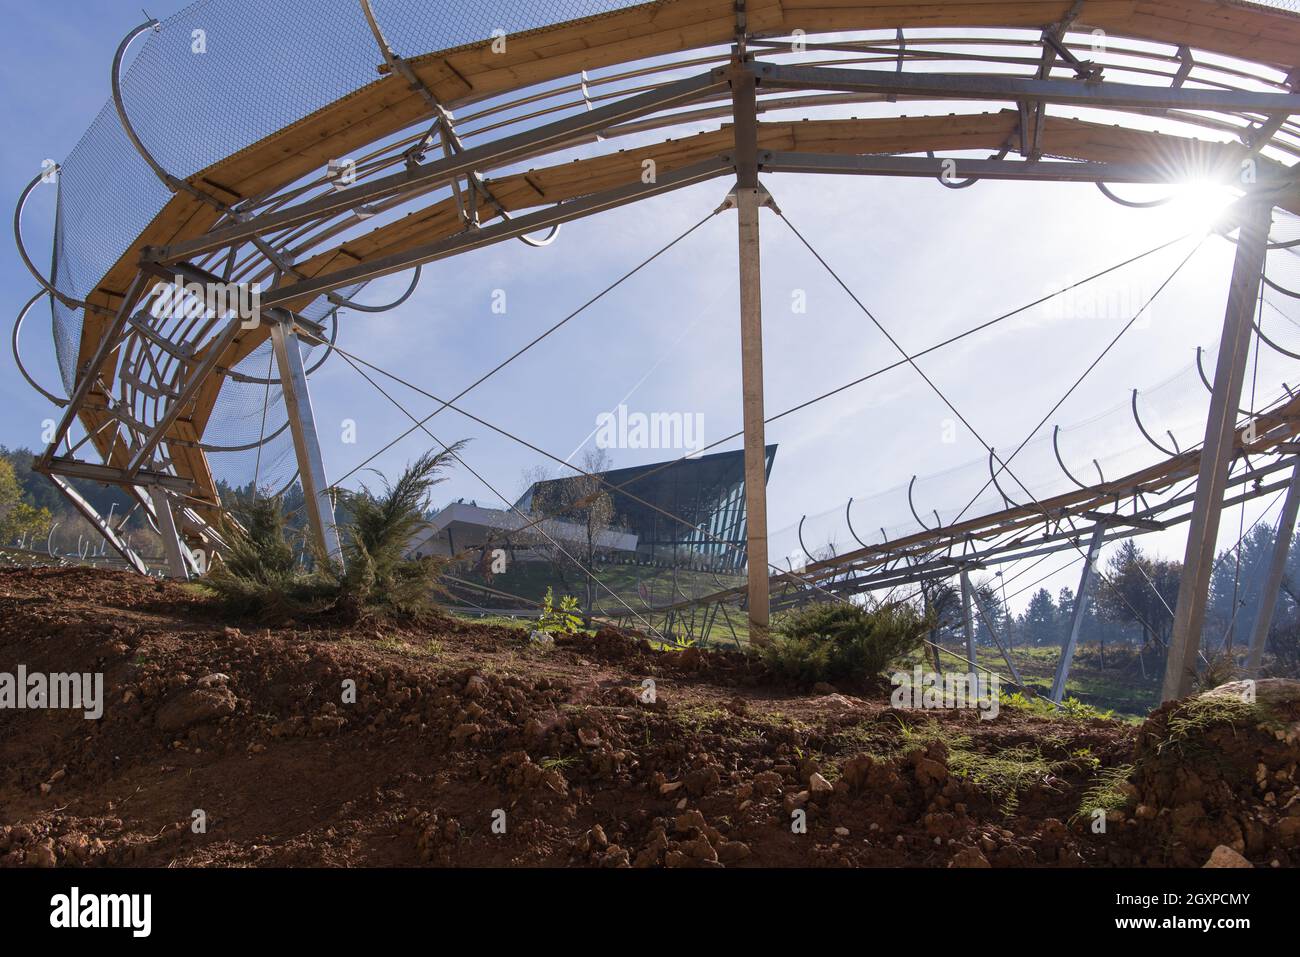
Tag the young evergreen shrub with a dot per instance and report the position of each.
(380, 578)
(260, 576)
(842, 642)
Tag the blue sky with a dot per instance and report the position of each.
(928, 262)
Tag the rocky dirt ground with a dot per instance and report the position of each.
(467, 746)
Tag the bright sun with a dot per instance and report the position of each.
(1197, 204)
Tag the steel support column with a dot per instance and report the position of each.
(1076, 614)
(1217, 450)
(749, 197)
(968, 622)
(173, 548)
(1273, 575)
(306, 443)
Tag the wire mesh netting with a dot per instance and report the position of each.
(203, 85)
(413, 26)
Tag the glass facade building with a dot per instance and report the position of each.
(708, 492)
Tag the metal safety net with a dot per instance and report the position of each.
(205, 84)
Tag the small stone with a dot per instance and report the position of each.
(929, 771)
(463, 732)
(819, 786)
(1225, 856)
(969, 857)
(733, 851)
(767, 783)
(691, 819)
(194, 707)
(702, 780)
(42, 855)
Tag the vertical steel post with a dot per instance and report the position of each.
(969, 622)
(1076, 614)
(302, 423)
(173, 548)
(1273, 576)
(1217, 450)
(749, 196)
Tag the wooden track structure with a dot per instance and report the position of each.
(468, 74)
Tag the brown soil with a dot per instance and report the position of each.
(459, 726)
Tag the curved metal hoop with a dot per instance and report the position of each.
(802, 519)
(542, 243)
(69, 301)
(1209, 386)
(173, 183)
(969, 181)
(993, 476)
(1132, 203)
(248, 446)
(18, 359)
(346, 303)
(1147, 435)
(848, 520)
(116, 76)
(1100, 474)
(1269, 342)
(1056, 450)
(912, 506)
(289, 484)
(1282, 289)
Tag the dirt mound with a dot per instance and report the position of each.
(459, 743)
(1220, 769)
